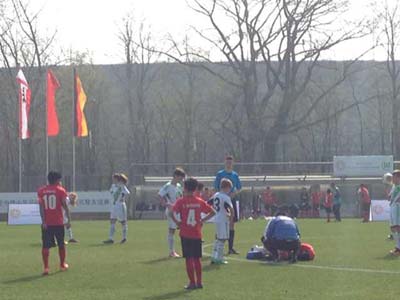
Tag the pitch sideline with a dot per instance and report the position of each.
(331, 268)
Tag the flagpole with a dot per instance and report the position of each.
(47, 129)
(20, 164)
(19, 141)
(73, 131)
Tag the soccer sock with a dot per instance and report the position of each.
(220, 250)
(112, 231)
(61, 253)
(215, 250)
(45, 257)
(124, 230)
(171, 242)
(190, 270)
(231, 238)
(69, 233)
(396, 236)
(197, 267)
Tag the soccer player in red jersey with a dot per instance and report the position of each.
(52, 202)
(269, 201)
(315, 200)
(190, 209)
(365, 202)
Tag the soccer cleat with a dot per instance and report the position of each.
(174, 255)
(45, 272)
(108, 242)
(123, 241)
(73, 241)
(64, 267)
(219, 262)
(232, 251)
(395, 252)
(199, 286)
(390, 237)
(190, 286)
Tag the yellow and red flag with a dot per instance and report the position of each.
(81, 129)
(53, 85)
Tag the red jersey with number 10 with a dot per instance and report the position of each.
(190, 209)
(51, 198)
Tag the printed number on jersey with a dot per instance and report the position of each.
(217, 204)
(50, 201)
(191, 218)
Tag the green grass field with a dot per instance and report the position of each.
(351, 263)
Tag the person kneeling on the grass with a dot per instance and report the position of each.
(282, 233)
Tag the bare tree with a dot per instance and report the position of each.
(22, 45)
(271, 49)
(389, 36)
(140, 74)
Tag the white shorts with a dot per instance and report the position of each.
(171, 223)
(119, 212)
(395, 214)
(222, 230)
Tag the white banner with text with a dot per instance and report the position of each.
(90, 202)
(380, 210)
(369, 165)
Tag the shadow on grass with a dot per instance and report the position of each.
(388, 257)
(166, 296)
(101, 244)
(28, 278)
(156, 261)
(211, 267)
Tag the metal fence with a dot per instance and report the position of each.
(139, 173)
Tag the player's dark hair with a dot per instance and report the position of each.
(328, 191)
(116, 176)
(229, 157)
(53, 177)
(190, 184)
(200, 186)
(179, 172)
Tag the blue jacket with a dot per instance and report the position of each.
(282, 228)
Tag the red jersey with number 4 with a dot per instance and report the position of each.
(190, 209)
(51, 198)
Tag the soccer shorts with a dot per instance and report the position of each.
(52, 232)
(171, 223)
(191, 247)
(395, 214)
(236, 213)
(222, 230)
(119, 212)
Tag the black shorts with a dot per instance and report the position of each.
(236, 215)
(52, 232)
(287, 245)
(191, 247)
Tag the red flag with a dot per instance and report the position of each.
(24, 98)
(52, 119)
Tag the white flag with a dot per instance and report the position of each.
(24, 98)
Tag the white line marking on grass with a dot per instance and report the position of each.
(331, 268)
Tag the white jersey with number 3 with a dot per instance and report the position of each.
(220, 203)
